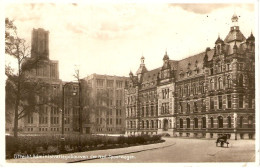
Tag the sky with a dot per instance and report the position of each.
(106, 38)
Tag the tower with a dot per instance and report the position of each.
(40, 44)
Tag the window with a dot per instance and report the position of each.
(240, 81)
(202, 87)
(241, 101)
(188, 107)
(211, 71)
(30, 119)
(229, 122)
(142, 124)
(100, 82)
(228, 67)
(203, 108)
(212, 103)
(110, 83)
(250, 100)
(220, 122)
(211, 84)
(220, 83)
(188, 122)
(181, 108)
(181, 123)
(241, 122)
(119, 84)
(250, 122)
(229, 81)
(147, 124)
(220, 102)
(204, 122)
(229, 102)
(195, 107)
(211, 122)
(195, 123)
(152, 112)
(152, 124)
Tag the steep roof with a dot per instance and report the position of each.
(234, 34)
(195, 61)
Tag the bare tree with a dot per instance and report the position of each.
(22, 91)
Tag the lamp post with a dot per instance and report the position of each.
(62, 114)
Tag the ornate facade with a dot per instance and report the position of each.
(203, 95)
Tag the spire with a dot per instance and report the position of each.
(131, 73)
(219, 40)
(166, 57)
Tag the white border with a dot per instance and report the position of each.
(2, 84)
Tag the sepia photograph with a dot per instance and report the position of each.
(131, 83)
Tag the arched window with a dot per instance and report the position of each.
(188, 122)
(211, 122)
(220, 122)
(229, 81)
(241, 122)
(196, 123)
(181, 123)
(142, 124)
(147, 124)
(204, 122)
(250, 122)
(220, 83)
(211, 84)
(240, 81)
(229, 122)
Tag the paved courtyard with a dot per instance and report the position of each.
(192, 150)
(174, 150)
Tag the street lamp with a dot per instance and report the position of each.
(63, 110)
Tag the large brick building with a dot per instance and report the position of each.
(203, 95)
(107, 107)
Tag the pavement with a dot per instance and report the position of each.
(173, 150)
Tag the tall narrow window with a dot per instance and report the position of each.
(204, 122)
(240, 81)
(188, 107)
(181, 108)
(211, 84)
(195, 107)
(241, 122)
(181, 123)
(203, 105)
(250, 101)
(250, 122)
(220, 83)
(188, 122)
(195, 123)
(220, 122)
(212, 103)
(229, 121)
(229, 101)
(211, 122)
(241, 101)
(220, 102)
(229, 84)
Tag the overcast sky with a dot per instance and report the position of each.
(111, 38)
